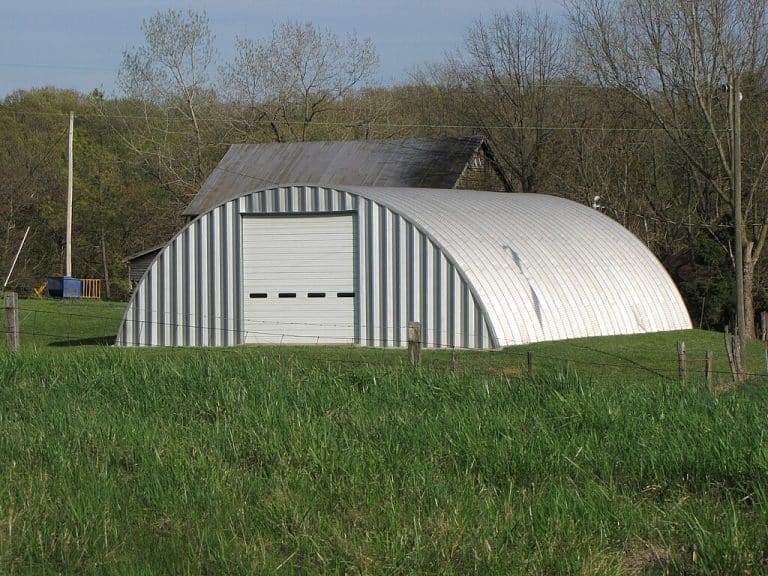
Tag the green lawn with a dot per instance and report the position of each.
(68, 322)
(344, 460)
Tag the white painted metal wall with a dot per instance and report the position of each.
(542, 267)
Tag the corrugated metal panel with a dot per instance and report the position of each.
(188, 296)
(413, 162)
(477, 269)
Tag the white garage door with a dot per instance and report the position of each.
(299, 279)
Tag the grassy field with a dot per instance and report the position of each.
(70, 322)
(344, 460)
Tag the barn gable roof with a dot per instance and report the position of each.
(413, 162)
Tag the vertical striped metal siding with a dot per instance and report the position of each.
(191, 294)
(405, 276)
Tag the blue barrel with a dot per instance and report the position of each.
(71, 287)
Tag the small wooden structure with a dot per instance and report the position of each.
(91, 288)
(464, 162)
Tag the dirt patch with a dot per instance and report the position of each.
(724, 387)
(642, 557)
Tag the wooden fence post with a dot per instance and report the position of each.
(738, 356)
(708, 367)
(530, 364)
(682, 360)
(12, 321)
(764, 336)
(414, 343)
(729, 351)
(764, 325)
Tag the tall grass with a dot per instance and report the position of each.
(238, 461)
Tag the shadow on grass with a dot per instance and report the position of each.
(98, 341)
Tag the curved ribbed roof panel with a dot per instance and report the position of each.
(542, 267)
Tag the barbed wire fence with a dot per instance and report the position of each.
(73, 327)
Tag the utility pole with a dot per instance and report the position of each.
(738, 249)
(69, 193)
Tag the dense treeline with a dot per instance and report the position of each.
(620, 105)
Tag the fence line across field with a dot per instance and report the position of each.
(533, 369)
(531, 362)
(219, 317)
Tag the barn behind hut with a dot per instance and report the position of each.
(451, 162)
(445, 163)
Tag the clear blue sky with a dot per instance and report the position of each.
(79, 43)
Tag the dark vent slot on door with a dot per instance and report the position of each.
(257, 295)
(345, 294)
(287, 295)
(316, 295)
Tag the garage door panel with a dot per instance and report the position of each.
(310, 260)
(273, 286)
(329, 229)
(293, 282)
(329, 248)
(305, 270)
(270, 311)
(332, 235)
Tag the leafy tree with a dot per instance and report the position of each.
(32, 163)
(117, 209)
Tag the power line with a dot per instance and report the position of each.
(56, 67)
(356, 123)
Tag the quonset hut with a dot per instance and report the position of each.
(352, 265)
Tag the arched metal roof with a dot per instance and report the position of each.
(542, 267)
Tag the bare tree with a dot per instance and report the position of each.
(511, 65)
(295, 77)
(674, 57)
(168, 81)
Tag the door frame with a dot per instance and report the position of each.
(302, 214)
